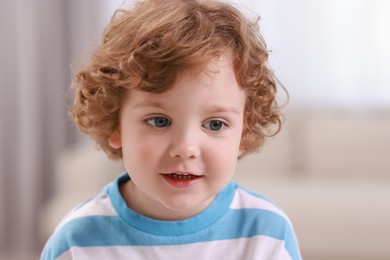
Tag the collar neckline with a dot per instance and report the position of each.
(170, 228)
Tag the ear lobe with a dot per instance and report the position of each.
(115, 140)
(241, 150)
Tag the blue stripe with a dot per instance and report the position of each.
(113, 231)
(210, 215)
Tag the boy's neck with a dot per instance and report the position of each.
(139, 202)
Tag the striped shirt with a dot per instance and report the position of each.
(239, 224)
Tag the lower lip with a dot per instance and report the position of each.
(181, 183)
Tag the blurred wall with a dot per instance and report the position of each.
(40, 40)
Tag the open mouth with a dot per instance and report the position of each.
(176, 176)
(182, 180)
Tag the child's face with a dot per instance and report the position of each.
(180, 147)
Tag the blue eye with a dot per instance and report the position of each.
(214, 125)
(158, 121)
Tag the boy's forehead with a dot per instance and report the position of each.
(209, 69)
(215, 76)
(207, 75)
(202, 74)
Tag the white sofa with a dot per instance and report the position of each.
(330, 171)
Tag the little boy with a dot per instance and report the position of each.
(179, 90)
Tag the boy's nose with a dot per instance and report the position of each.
(184, 145)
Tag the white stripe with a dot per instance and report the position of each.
(258, 247)
(98, 206)
(245, 200)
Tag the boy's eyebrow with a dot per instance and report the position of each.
(224, 109)
(148, 104)
(212, 109)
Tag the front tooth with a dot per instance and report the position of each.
(182, 176)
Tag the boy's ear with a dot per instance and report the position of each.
(115, 140)
(241, 150)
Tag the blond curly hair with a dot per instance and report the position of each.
(145, 48)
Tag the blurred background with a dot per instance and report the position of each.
(329, 168)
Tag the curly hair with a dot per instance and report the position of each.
(145, 48)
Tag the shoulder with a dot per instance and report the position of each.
(255, 209)
(79, 225)
(261, 217)
(247, 199)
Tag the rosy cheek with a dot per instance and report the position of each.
(146, 146)
(145, 152)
